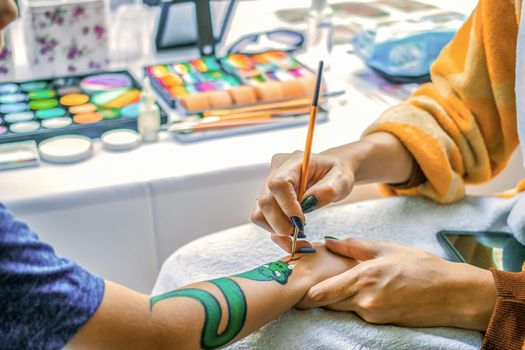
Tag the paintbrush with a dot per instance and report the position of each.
(223, 124)
(290, 111)
(214, 122)
(308, 146)
(259, 107)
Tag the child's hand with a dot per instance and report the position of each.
(320, 265)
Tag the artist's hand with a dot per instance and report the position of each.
(406, 286)
(329, 180)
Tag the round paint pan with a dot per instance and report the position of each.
(41, 94)
(37, 105)
(19, 117)
(13, 98)
(105, 81)
(66, 149)
(88, 118)
(56, 123)
(50, 113)
(33, 85)
(24, 127)
(74, 99)
(81, 109)
(68, 90)
(120, 140)
(65, 82)
(130, 111)
(13, 108)
(8, 88)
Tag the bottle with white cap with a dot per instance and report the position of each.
(149, 114)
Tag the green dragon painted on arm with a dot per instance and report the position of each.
(236, 300)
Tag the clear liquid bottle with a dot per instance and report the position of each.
(149, 114)
(319, 36)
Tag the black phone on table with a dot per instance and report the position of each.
(484, 249)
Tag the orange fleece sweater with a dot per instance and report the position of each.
(462, 128)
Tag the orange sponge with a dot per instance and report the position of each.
(269, 91)
(243, 95)
(195, 103)
(219, 99)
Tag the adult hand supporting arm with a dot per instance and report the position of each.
(406, 286)
(207, 314)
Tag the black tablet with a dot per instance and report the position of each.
(484, 249)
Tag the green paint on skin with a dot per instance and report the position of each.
(236, 300)
(210, 338)
(278, 271)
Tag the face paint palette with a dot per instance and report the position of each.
(88, 105)
(266, 66)
(174, 81)
(232, 81)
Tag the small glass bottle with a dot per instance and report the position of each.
(149, 114)
(319, 31)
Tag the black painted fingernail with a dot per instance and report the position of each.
(309, 204)
(307, 250)
(297, 223)
(300, 235)
(330, 237)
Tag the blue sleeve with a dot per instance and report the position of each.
(44, 299)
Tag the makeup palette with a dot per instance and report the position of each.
(232, 81)
(264, 67)
(88, 105)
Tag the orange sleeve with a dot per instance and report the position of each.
(461, 127)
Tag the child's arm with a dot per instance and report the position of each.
(207, 314)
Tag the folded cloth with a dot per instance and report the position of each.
(405, 220)
(516, 220)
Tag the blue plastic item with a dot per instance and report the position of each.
(403, 51)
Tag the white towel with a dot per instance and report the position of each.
(409, 221)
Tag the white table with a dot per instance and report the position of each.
(121, 214)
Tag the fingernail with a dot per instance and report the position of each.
(300, 235)
(309, 204)
(307, 250)
(330, 237)
(297, 222)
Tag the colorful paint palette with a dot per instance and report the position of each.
(87, 105)
(267, 66)
(210, 74)
(174, 81)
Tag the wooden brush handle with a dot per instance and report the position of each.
(307, 152)
(260, 107)
(233, 124)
